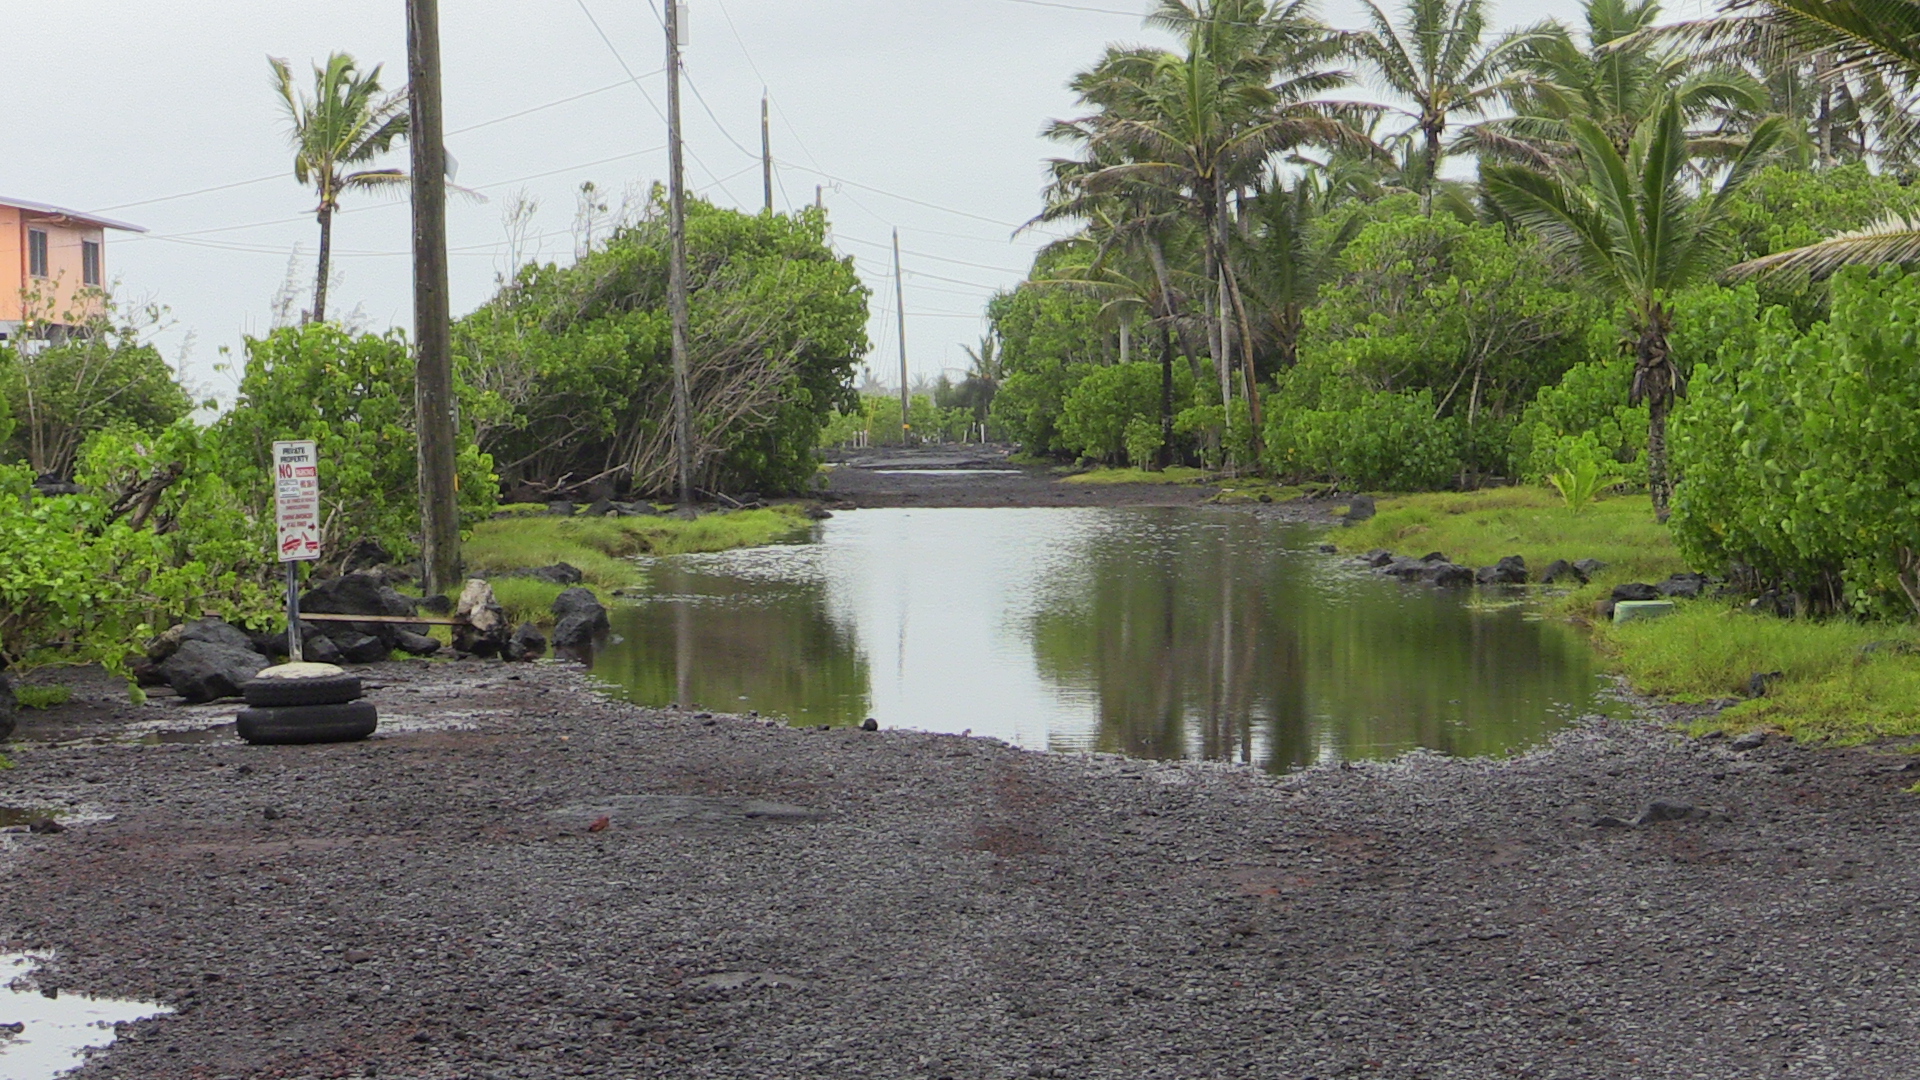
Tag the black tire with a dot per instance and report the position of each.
(281, 693)
(344, 722)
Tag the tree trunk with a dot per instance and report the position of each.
(1657, 480)
(319, 312)
(1165, 457)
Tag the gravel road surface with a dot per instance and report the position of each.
(762, 901)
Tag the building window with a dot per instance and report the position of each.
(90, 262)
(36, 253)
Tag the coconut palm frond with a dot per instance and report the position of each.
(1893, 239)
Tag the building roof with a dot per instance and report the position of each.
(74, 215)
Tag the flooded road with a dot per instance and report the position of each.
(1156, 632)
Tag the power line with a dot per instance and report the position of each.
(935, 258)
(902, 198)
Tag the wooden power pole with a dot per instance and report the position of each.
(677, 263)
(433, 360)
(900, 302)
(766, 153)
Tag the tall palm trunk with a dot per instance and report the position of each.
(319, 312)
(1165, 456)
(1657, 382)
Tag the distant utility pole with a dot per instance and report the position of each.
(766, 153)
(677, 261)
(900, 301)
(433, 361)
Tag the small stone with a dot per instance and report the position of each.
(1445, 575)
(1561, 570)
(1326, 549)
(1378, 558)
(1752, 740)
(271, 813)
(1360, 508)
(1760, 681)
(1683, 586)
(527, 643)
(1434, 557)
(415, 644)
(357, 956)
(1608, 821)
(45, 825)
(1589, 567)
(869, 724)
(1667, 810)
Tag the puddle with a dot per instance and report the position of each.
(224, 733)
(945, 472)
(13, 816)
(55, 1033)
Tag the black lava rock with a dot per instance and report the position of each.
(9, 708)
(599, 508)
(560, 509)
(1378, 558)
(1752, 740)
(416, 644)
(580, 602)
(1760, 681)
(216, 632)
(1635, 590)
(365, 555)
(1589, 567)
(1683, 586)
(363, 594)
(317, 647)
(1360, 508)
(557, 574)
(201, 671)
(1561, 570)
(1434, 557)
(356, 647)
(527, 643)
(1448, 576)
(1668, 810)
(577, 632)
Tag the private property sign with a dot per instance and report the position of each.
(296, 500)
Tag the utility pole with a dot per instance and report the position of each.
(433, 360)
(900, 302)
(677, 262)
(766, 153)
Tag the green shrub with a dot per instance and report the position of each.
(1373, 441)
(1095, 416)
(1144, 441)
(352, 394)
(1800, 460)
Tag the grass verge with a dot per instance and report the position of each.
(1172, 474)
(1478, 528)
(1831, 687)
(604, 548)
(42, 696)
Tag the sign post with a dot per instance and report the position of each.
(296, 505)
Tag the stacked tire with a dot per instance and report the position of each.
(305, 703)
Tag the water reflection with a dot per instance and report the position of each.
(1155, 632)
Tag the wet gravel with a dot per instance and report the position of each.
(758, 901)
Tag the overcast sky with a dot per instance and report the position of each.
(921, 114)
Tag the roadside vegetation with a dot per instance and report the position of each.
(1480, 528)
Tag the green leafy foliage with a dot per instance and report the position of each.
(1095, 417)
(353, 395)
(1583, 469)
(578, 359)
(53, 399)
(1798, 456)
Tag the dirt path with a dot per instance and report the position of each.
(981, 476)
(771, 902)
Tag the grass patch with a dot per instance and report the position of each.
(1829, 689)
(1172, 474)
(42, 697)
(1478, 528)
(603, 547)
(521, 509)
(1251, 489)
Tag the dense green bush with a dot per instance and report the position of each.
(53, 399)
(1096, 412)
(1367, 440)
(578, 358)
(878, 415)
(352, 394)
(1800, 459)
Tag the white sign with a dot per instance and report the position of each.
(296, 500)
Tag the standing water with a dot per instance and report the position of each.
(42, 1036)
(1156, 632)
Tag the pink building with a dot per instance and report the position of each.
(53, 261)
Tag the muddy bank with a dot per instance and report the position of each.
(980, 476)
(763, 901)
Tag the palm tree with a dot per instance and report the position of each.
(1616, 79)
(1203, 123)
(1872, 47)
(1438, 59)
(1638, 231)
(348, 121)
(1292, 255)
